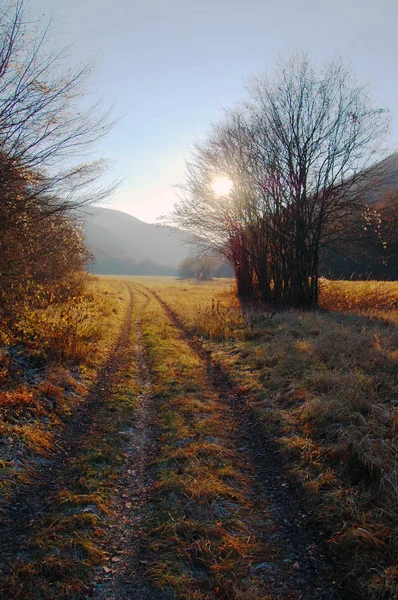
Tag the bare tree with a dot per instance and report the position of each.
(300, 155)
(46, 136)
(43, 126)
(321, 134)
(202, 268)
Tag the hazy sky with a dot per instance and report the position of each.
(169, 66)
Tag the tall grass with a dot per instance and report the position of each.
(378, 299)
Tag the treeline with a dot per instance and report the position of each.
(44, 177)
(201, 268)
(284, 178)
(113, 265)
(204, 268)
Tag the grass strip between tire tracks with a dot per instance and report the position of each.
(204, 535)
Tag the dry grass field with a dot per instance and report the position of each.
(126, 419)
(324, 387)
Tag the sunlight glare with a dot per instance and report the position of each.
(222, 186)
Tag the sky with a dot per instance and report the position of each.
(168, 69)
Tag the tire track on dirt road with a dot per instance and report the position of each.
(301, 564)
(22, 517)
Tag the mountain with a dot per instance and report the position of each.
(386, 178)
(122, 244)
(373, 250)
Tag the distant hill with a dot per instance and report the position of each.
(388, 169)
(122, 244)
(373, 252)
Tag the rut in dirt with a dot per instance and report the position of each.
(21, 516)
(302, 563)
(124, 576)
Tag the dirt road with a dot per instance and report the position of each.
(162, 487)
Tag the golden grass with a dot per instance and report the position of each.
(47, 363)
(377, 299)
(324, 387)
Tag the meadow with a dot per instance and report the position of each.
(324, 387)
(320, 388)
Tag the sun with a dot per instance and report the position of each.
(221, 186)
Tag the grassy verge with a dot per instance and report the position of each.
(68, 542)
(205, 533)
(48, 361)
(324, 387)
